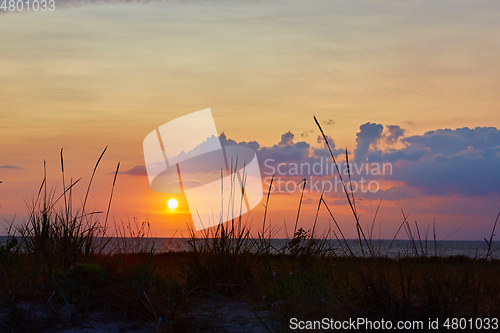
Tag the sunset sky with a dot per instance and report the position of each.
(414, 83)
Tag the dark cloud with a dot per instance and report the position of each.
(9, 167)
(138, 170)
(450, 142)
(321, 140)
(286, 139)
(286, 151)
(457, 174)
(328, 122)
(395, 155)
(369, 134)
(306, 134)
(324, 152)
(463, 161)
(394, 133)
(293, 152)
(443, 162)
(224, 141)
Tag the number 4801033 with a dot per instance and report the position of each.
(28, 5)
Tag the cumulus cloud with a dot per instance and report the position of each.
(449, 142)
(298, 152)
(224, 141)
(279, 153)
(443, 162)
(369, 134)
(444, 175)
(324, 152)
(394, 132)
(286, 139)
(463, 161)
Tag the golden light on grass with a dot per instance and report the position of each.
(172, 203)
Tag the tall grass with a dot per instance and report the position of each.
(61, 236)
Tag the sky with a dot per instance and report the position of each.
(413, 84)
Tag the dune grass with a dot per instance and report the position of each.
(62, 256)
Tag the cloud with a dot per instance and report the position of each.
(328, 122)
(450, 142)
(224, 141)
(395, 155)
(306, 134)
(138, 170)
(324, 152)
(394, 133)
(286, 139)
(443, 162)
(286, 151)
(321, 140)
(9, 167)
(463, 161)
(280, 153)
(444, 175)
(368, 135)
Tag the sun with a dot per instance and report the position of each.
(172, 203)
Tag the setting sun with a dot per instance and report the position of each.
(172, 203)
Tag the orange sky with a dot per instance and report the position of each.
(89, 76)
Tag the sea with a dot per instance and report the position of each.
(383, 248)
